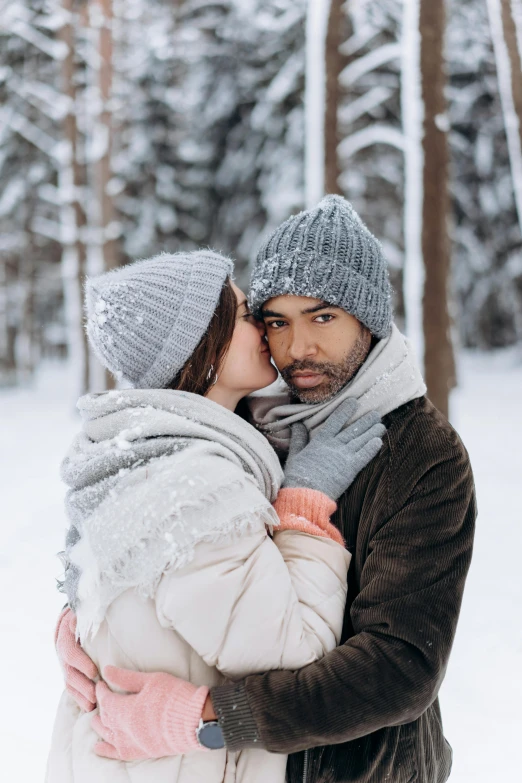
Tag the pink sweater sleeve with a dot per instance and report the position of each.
(307, 510)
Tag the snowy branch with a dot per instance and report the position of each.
(285, 80)
(50, 102)
(53, 21)
(34, 135)
(50, 194)
(369, 62)
(98, 144)
(375, 134)
(357, 41)
(53, 230)
(57, 50)
(13, 195)
(373, 98)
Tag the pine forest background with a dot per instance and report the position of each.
(129, 127)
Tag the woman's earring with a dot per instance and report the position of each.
(210, 373)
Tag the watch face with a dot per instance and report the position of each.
(211, 736)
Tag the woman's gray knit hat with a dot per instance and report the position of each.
(145, 320)
(326, 253)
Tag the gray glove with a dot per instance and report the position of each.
(333, 458)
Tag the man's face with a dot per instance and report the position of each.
(317, 348)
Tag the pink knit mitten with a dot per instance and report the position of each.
(158, 716)
(307, 510)
(80, 672)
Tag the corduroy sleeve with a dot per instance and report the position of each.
(404, 618)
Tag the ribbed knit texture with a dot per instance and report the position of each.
(368, 710)
(182, 718)
(235, 717)
(308, 511)
(144, 320)
(327, 253)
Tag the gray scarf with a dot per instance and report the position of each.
(389, 378)
(144, 476)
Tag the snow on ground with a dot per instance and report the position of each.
(483, 689)
(482, 693)
(36, 427)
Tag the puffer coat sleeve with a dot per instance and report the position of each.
(250, 603)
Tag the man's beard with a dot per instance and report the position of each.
(337, 374)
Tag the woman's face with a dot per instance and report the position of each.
(247, 366)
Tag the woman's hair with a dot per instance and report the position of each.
(200, 372)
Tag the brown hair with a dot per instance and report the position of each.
(200, 372)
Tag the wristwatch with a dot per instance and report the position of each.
(210, 735)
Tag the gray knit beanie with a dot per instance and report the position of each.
(145, 320)
(326, 253)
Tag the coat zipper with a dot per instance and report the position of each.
(305, 767)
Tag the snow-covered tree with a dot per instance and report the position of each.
(101, 18)
(259, 178)
(31, 153)
(371, 151)
(210, 147)
(487, 243)
(509, 69)
(438, 348)
(326, 30)
(395, 115)
(72, 179)
(337, 32)
(378, 154)
(316, 127)
(170, 125)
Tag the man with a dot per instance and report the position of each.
(368, 711)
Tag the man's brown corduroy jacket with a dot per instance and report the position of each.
(369, 710)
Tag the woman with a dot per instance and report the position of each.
(170, 565)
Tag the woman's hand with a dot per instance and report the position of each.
(306, 511)
(80, 672)
(333, 458)
(158, 716)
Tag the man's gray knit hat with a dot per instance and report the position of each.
(326, 253)
(145, 320)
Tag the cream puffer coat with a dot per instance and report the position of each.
(230, 599)
(242, 606)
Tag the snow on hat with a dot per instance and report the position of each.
(145, 320)
(326, 253)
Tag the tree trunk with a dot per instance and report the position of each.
(515, 67)
(4, 322)
(438, 356)
(8, 368)
(105, 129)
(315, 99)
(27, 347)
(334, 63)
(412, 115)
(77, 179)
(109, 246)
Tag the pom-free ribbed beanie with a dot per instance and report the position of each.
(145, 320)
(326, 253)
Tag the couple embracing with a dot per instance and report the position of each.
(262, 585)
